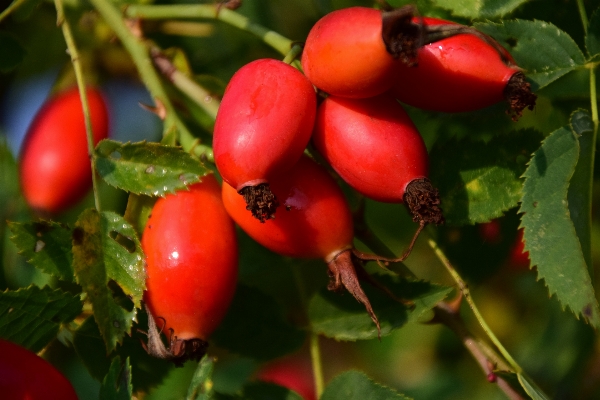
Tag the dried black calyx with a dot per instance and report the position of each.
(519, 95)
(260, 201)
(423, 202)
(401, 36)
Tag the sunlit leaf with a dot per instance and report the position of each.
(32, 316)
(550, 236)
(480, 181)
(144, 168)
(479, 8)
(340, 316)
(354, 385)
(46, 245)
(544, 51)
(108, 263)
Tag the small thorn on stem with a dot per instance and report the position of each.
(260, 201)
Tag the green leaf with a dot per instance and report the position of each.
(479, 8)
(544, 51)
(108, 262)
(480, 181)
(47, 245)
(267, 391)
(592, 39)
(550, 236)
(254, 327)
(531, 388)
(354, 385)
(201, 386)
(117, 383)
(144, 168)
(340, 316)
(11, 52)
(579, 195)
(32, 316)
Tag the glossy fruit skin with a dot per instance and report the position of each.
(192, 261)
(372, 144)
(345, 55)
(458, 74)
(292, 372)
(264, 122)
(25, 375)
(316, 222)
(55, 170)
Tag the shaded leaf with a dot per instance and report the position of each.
(32, 316)
(268, 391)
(354, 385)
(47, 245)
(592, 39)
(254, 327)
(340, 316)
(480, 181)
(550, 236)
(201, 387)
(11, 52)
(108, 263)
(144, 168)
(531, 388)
(543, 50)
(579, 195)
(117, 383)
(479, 8)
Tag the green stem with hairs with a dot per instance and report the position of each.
(210, 11)
(74, 54)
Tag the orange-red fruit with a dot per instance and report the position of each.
(192, 261)
(264, 122)
(458, 74)
(25, 375)
(55, 169)
(292, 372)
(345, 54)
(372, 144)
(316, 221)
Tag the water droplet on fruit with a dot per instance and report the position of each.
(150, 169)
(39, 245)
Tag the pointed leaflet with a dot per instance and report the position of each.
(550, 236)
(32, 316)
(46, 245)
(545, 52)
(144, 168)
(592, 39)
(340, 316)
(480, 181)
(579, 195)
(108, 261)
(201, 387)
(117, 383)
(354, 385)
(479, 8)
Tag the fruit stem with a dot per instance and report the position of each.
(11, 8)
(211, 11)
(75, 60)
(467, 295)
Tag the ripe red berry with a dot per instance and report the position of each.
(519, 258)
(192, 261)
(464, 72)
(292, 372)
(55, 169)
(375, 147)
(263, 125)
(25, 375)
(316, 223)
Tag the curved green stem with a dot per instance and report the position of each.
(583, 14)
(467, 295)
(72, 49)
(210, 11)
(10, 9)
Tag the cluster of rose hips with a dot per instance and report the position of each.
(363, 63)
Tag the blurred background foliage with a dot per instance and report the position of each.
(425, 361)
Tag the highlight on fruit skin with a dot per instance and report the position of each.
(54, 166)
